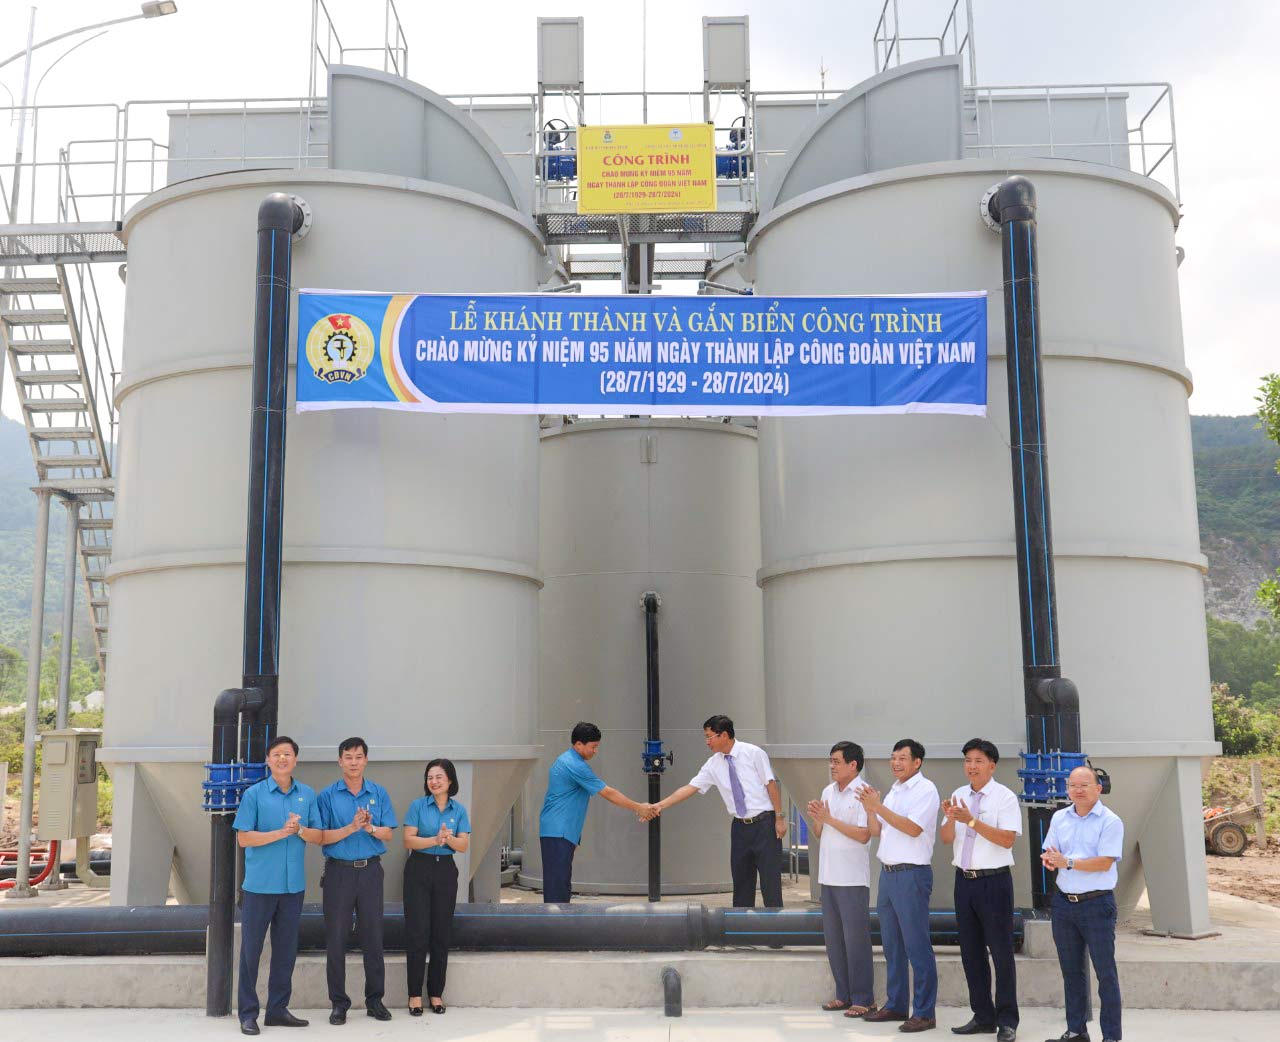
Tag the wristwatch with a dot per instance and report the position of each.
(1071, 862)
(972, 822)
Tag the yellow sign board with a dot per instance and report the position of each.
(647, 169)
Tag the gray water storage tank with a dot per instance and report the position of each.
(890, 597)
(629, 506)
(410, 583)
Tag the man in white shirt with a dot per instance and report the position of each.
(744, 776)
(909, 822)
(840, 821)
(982, 820)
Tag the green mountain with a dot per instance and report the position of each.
(17, 550)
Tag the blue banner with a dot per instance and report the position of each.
(674, 356)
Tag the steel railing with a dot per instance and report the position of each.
(1147, 146)
(887, 38)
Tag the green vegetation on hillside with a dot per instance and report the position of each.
(1237, 488)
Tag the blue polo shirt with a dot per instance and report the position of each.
(336, 807)
(276, 868)
(1100, 833)
(570, 786)
(427, 817)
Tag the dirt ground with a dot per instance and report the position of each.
(1255, 874)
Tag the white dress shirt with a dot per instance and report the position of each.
(843, 861)
(1100, 833)
(754, 773)
(916, 799)
(998, 808)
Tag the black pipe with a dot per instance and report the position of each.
(278, 218)
(654, 736)
(99, 862)
(1052, 702)
(583, 926)
(672, 1000)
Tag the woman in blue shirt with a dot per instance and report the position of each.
(435, 828)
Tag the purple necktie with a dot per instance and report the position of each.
(966, 852)
(735, 786)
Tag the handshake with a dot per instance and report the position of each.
(648, 811)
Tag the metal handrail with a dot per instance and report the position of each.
(394, 48)
(885, 46)
(1136, 139)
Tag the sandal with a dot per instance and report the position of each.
(835, 1006)
(859, 1011)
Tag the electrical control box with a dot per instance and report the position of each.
(69, 783)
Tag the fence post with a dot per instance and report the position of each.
(1259, 829)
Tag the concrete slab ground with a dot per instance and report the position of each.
(760, 1024)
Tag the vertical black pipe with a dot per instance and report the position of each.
(278, 218)
(1052, 704)
(227, 709)
(654, 736)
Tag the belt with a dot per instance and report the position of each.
(1088, 895)
(363, 862)
(978, 873)
(899, 868)
(755, 817)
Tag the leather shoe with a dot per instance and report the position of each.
(1067, 1036)
(249, 1027)
(338, 1016)
(915, 1024)
(1006, 1034)
(883, 1016)
(974, 1027)
(284, 1020)
(377, 1010)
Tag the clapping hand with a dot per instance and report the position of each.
(870, 799)
(361, 819)
(956, 810)
(1053, 859)
(443, 835)
(819, 811)
(292, 824)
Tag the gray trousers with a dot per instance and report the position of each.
(846, 927)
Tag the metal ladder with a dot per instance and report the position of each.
(68, 409)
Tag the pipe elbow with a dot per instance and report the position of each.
(227, 706)
(1014, 200)
(278, 212)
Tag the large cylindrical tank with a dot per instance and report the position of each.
(410, 583)
(629, 506)
(890, 593)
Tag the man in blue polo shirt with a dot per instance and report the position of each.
(1083, 844)
(570, 786)
(276, 820)
(357, 817)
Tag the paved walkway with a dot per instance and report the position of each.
(759, 1024)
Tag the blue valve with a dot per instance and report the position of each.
(656, 757)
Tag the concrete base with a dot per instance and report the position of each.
(722, 978)
(758, 1024)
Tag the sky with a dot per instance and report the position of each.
(1219, 57)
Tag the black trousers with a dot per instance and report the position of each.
(347, 891)
(282, 914)
(557, 869)
(984, 919)
(755, 849)
(430, 896)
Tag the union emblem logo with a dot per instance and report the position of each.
(340, 348)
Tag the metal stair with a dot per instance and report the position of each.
(67, 403)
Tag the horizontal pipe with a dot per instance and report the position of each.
(99, 861)
(586, 926)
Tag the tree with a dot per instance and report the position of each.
(1243, 731)
(13, 668)
(1268, 399)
